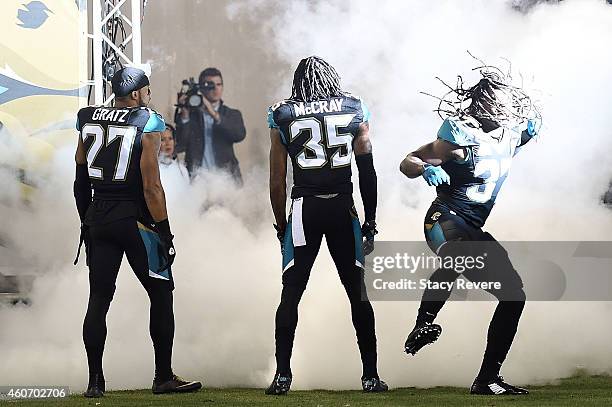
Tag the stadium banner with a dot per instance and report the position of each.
(476, 271)
(43, 74)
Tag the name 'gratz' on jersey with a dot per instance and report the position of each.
(112, 138)
(319, 138)
(476, 180)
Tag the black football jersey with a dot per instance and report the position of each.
(476, 180)
(112, 137)
(319, 138)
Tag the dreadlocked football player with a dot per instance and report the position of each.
(467, 163)
(319, 127)
(117, 156)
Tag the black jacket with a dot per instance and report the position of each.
(229, 130)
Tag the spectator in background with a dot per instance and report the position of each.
(169, 164)
(207, 133)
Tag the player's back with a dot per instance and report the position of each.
(112, 137)
(319, 138)
(476, 180)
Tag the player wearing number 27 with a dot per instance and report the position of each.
(117, 158)
(467, 164)
(319, 127)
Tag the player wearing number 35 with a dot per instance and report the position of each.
(117, 157)
(486, 126)
(319, 127)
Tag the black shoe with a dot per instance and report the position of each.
(175, 385)
(280, 385)
(496, 386)
(96, 386)
(373, 385)
(420, 336)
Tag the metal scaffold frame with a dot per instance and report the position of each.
(115, 41)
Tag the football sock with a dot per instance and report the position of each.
(161, 328)
(286, 322)
(94, 330)
(501, 333)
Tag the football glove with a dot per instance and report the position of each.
(167, 251)
(435, 175)
(84, 238)
(368, 231)
(280, 235)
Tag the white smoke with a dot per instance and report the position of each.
(227, 269)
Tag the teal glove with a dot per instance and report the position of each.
(435, 175)
(533, 127)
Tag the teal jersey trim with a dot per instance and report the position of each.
(436, 236)
(271, 123)
(155, 123)
(454, 133)
(359, 255)
(366, 112)
(151, 242)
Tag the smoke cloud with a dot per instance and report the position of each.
(227, 269)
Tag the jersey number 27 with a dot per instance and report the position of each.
(127, 135)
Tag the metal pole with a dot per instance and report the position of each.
(136, 38)
(97, 52)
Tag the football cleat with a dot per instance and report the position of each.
(96, 386)
(373, 385)
(175, 385)
(420, 336)
(280, 385)
(496, 386)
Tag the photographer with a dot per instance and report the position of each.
(206, 128)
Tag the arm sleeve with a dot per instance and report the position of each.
(367, 185)
(82, 190)
(155, 123)
(231, 126)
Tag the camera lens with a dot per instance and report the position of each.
(195, 100)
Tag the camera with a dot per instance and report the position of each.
(192, 90)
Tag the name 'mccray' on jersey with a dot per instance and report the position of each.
(476, 180)
(112, 137)
(319, 138)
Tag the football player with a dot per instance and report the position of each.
(117, 157)
(468, 163)
(319, 128)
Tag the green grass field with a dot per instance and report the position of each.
(579, 390)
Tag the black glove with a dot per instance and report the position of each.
(167, 251)
(83, 238)
(368, 231)
(280, 235)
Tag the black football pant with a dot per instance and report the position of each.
(448, 234)
(107, 245)
(311, 219)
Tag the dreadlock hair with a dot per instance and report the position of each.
(315, 79)
(493, 98)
